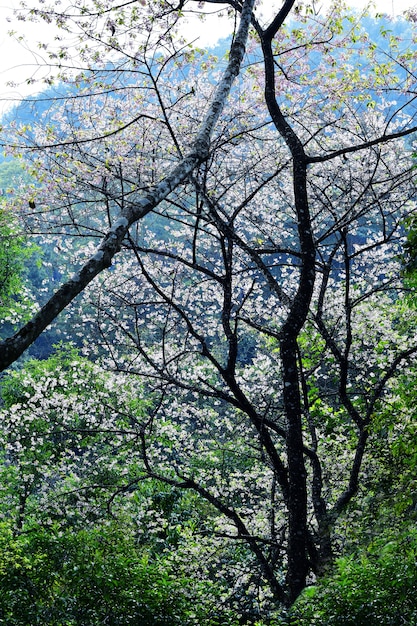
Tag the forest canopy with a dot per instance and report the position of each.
(215, 242)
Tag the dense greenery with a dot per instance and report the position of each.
(220, 428)
(88, 578)
(74, 554)
(15, 255)
(78, 547)
(375, 585)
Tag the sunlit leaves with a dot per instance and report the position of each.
(95, 575)
(375, 587)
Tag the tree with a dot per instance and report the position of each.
(264, 309)
(77, 546)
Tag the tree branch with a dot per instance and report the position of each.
(13, 347)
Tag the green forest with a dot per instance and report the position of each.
(208, 319)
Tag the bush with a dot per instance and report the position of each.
(88, 578)
(378, 588)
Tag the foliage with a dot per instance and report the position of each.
(13, 176)
(19, 255)
(71, 461)
(410, 246)
(376, 587)
(88, 577)
(375, 581)
(15, 252)
(234, 367)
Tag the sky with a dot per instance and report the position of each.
(19, 60)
